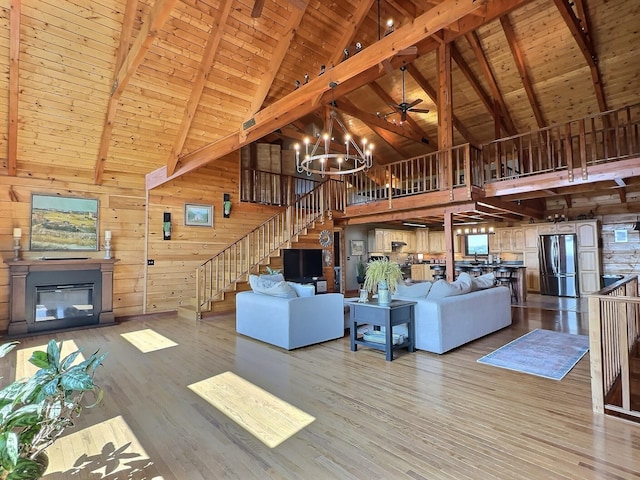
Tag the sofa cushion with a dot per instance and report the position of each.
(481, 282)
(272, 277)
(416, 290)
(273, 288)
(303, 290)
(443, 289)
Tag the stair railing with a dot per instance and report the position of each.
(235, 263)
(614, 330)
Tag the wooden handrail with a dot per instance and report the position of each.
(614, 331)
(236, 262)
(570, 147)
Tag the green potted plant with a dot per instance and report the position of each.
(361, 270)
(382, 276)
(35, 411)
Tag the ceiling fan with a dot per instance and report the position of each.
(404, 106)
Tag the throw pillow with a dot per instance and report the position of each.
(464, 282)
(267, 287)
(443, 289)
(273, 277)
(415, 290)
(481, 282)
(303, 290)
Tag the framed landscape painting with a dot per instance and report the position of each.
(63, 223)
(198, 215)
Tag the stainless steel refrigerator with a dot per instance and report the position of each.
(558, 265)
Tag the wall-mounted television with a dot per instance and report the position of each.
(302, 263)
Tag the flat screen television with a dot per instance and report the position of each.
(301, 263)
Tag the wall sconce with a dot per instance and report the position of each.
(226, 205)
(166, 226)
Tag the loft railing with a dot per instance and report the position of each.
(442, 170)
(605, 137)
(600, 138)
(614, 331)
(233, 264)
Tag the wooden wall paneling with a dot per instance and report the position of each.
(620, 258)
(171, 281)
(122, 210)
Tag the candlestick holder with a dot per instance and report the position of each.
(16, 249)
(107, 249)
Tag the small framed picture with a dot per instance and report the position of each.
(357, 247)
(620, 236)
(198, 215)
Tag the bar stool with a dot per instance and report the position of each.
(439, 272)
(506, 278)
(476, 271)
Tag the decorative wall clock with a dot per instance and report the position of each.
(325, 238)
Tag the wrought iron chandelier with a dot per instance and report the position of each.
(355, 159)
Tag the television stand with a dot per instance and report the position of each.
(320, 283)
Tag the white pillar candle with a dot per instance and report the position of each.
(107, 235)
(17, 232)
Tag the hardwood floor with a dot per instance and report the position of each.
(422, 416)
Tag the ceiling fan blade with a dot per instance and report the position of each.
(414, 103)
(419, 110)
(403, 116)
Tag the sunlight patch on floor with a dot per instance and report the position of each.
(265, 416)
(148, 341)
(100, 451)
(26, 369)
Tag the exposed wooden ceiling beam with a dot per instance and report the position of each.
(622, 192)
(388, 99)
(475, 84)
(14, 85)
(348, 34)
(568, 201)
(364, 65)
(476, 46)
(128, 64)
(256, 11)
(431, 92)
(620, 182)
(579, 28)
(370, 119)
(390, 139)
(518, 57)
(522, 210)
(266, 80)
(210, 49)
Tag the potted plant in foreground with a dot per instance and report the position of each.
(382, 276)
(35, 411)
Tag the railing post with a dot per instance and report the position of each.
(568, 148)
(623, 347)
(390, 185)
(467, 170)
(595, 355)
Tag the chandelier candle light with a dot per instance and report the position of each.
(315, 162)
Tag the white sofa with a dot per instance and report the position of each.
(446, 323)
(290, 322)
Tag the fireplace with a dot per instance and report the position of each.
(59, 294)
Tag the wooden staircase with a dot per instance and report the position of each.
(228, 271)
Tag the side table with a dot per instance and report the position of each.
(387, 316)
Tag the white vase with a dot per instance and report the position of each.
(384, 296)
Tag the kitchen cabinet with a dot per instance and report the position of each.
(588, 257)
(517, 239)
(422, 240)
(421, 272)
(436, 242)
(379, 240)
(505, 238)
(530, 237)
(533, 270)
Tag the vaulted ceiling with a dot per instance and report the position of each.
(162, 86)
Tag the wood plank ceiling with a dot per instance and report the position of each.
(155, 87)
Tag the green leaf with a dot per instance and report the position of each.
(69, 359)
(39, 359)
(76, 379)
(7, 347)
(26, 469)
(53, 352)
